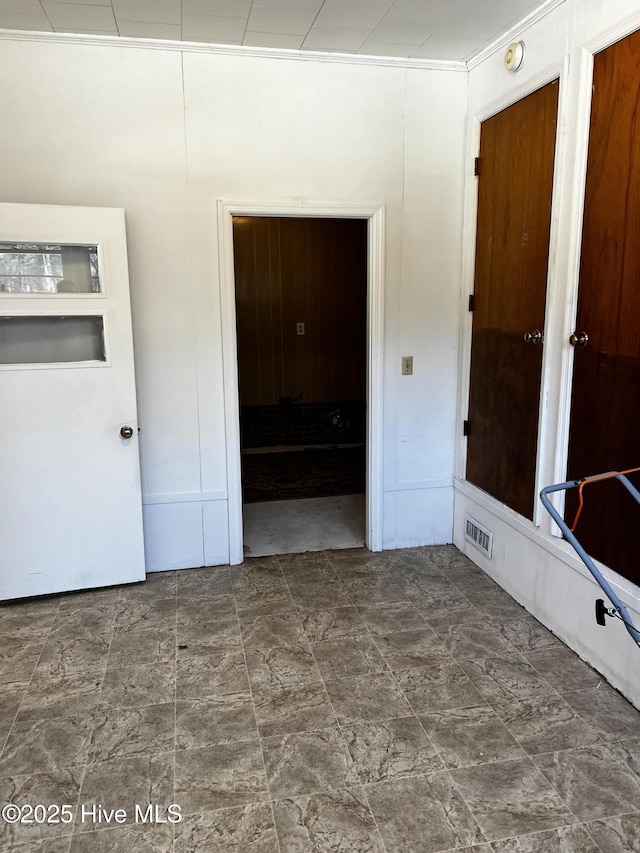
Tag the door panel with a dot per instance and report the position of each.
(605, 405)
(517, 150)
(71, 509)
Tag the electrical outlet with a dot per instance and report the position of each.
(300, 329)
(407, 365)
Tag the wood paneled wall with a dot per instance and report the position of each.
(295, 270)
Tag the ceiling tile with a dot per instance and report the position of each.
(436, 29)
(21, 7)
(392, 32)
(285, 21)
(335, 38)
(209, 28)
(16, 21)
(419, 11)
(475, 25)
(217, 8)
(150, 30)
(510, 8)
(86, 32)
(272, 40)
(340, 50)
(354, 14)
(76, 16)
(158, 11)
(372, 48)
(308, 5)
(445, 48)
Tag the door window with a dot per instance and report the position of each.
(45, 268)
(47, 340)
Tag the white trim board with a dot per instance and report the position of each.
(419, 485)
(235, 50)
(375, 214)
(184, 497)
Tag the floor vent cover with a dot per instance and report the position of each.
(478, 535)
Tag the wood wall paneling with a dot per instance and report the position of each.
(291, 270)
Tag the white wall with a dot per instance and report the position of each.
(163, 134)
(536, 567)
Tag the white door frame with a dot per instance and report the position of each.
(374, 214)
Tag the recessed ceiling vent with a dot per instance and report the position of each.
(478, 535)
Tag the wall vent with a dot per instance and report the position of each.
(478, 535)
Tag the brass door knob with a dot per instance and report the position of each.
(533, 337)
(579, 339)
(126, 431)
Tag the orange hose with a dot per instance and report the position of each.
(609, 476)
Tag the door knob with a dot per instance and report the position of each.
(126, 431)
(533, 337)
(579, 339)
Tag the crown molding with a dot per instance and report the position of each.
(233, 50)
(513, 33)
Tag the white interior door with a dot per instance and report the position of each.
(70, 500)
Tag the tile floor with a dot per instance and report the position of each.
(334, 702)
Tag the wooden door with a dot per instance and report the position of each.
(605, 405)
(517, 150)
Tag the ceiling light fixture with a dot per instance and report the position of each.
(514, 56)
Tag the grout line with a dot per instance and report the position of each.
(585, 824)
(255, 717)
(437, 752)
(26, 690)
(175, 707)
(535, 834)
(94, 713)
(28, 683)
(524, 757)
(344, 740)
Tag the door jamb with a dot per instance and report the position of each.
(375, 216)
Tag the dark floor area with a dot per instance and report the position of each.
(310, 473)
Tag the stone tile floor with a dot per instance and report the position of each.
(333, 702)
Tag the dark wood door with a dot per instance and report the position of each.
(517, 150)
(605, 405)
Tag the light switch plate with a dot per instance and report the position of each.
(407, 365)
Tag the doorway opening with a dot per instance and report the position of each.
(301, 326)
(342, 426)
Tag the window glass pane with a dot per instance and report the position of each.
(44, 268)
(43, 340)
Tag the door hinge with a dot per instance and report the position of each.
(471, 302)
(465, 427)
(476, 166)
